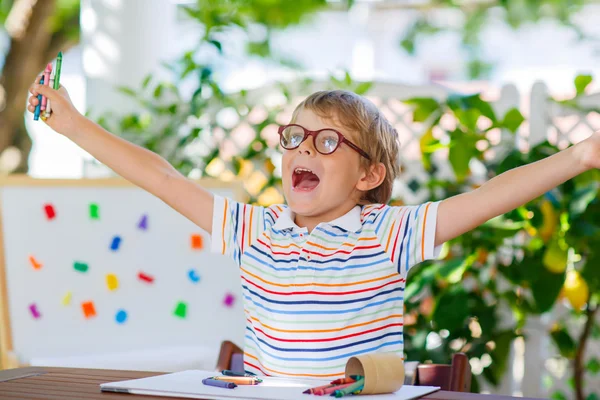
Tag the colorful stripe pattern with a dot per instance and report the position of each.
(312, 300)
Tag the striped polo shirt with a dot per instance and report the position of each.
(314, 299)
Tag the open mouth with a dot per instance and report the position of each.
(304, 179)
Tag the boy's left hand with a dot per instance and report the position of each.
(588, 151)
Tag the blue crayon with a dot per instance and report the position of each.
(36, 114)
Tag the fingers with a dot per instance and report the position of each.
(34, 101)
(36, 82)
(44, 91)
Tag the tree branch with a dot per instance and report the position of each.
(578, 369)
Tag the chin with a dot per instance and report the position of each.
(302, 203)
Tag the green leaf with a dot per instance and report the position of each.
(558, 396)
(596, 331)
(513, 119)
(419, 277)
(428, 145)
(468, 118)
(146, 81)
(582, 197)
(453, 270)
(461, 151)
(546, 288)
(261, 49)
(408, 44)
(503, 341)
(458, 102)
(217, 44)
(563, 341)
(451, 311)
(363, 87)
(127, 91)
(592, 396)
(424, 107)
(593, 366)
(530, 271)
(582, 82)
(158, 90)
(347, 78)
(591, 271)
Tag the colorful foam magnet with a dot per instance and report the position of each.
(116, 242)
(180, 310)
(112, 282)
(66, 300)
(50, 212)
(80, 266)
(35, 263)
(145, 277)
(193, 275)
(196, 242)
(143, 224)
(94, 211)
(229, 300)
(34, 311)
(88, 309)
(121, 316)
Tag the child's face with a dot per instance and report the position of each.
(316, 184)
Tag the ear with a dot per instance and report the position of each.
(372, 177)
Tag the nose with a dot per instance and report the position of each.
(307, 147)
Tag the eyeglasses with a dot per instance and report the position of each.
(326, 141)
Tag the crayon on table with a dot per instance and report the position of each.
(240, 380)
(217, 383)
(332, 389)
(334, 383)
(319, 388)
(350, 389)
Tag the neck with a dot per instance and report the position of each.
(311, 221)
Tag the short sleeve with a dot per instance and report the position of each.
(235, 227)
(408, 234)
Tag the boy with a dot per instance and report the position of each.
(323, 276)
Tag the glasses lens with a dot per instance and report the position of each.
(291, 137)
(327, 141)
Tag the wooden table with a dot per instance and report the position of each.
(83, 384)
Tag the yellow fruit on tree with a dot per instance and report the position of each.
(576, 289)
(556, 257)
(549, 222)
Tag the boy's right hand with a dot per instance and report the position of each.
(64, 117)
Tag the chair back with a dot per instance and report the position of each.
(455, 377)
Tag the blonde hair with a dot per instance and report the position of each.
(374, 134)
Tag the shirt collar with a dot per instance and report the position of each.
(351, 221)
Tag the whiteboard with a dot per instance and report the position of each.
(55, 306)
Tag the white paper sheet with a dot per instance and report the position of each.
(189, 384)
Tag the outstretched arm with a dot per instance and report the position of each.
(505, 192)
(140, 166)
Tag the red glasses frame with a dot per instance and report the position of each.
(314, 134)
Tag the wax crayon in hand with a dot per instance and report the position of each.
(47, 73)
(36, 114)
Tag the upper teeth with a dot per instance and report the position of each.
(299, 170)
